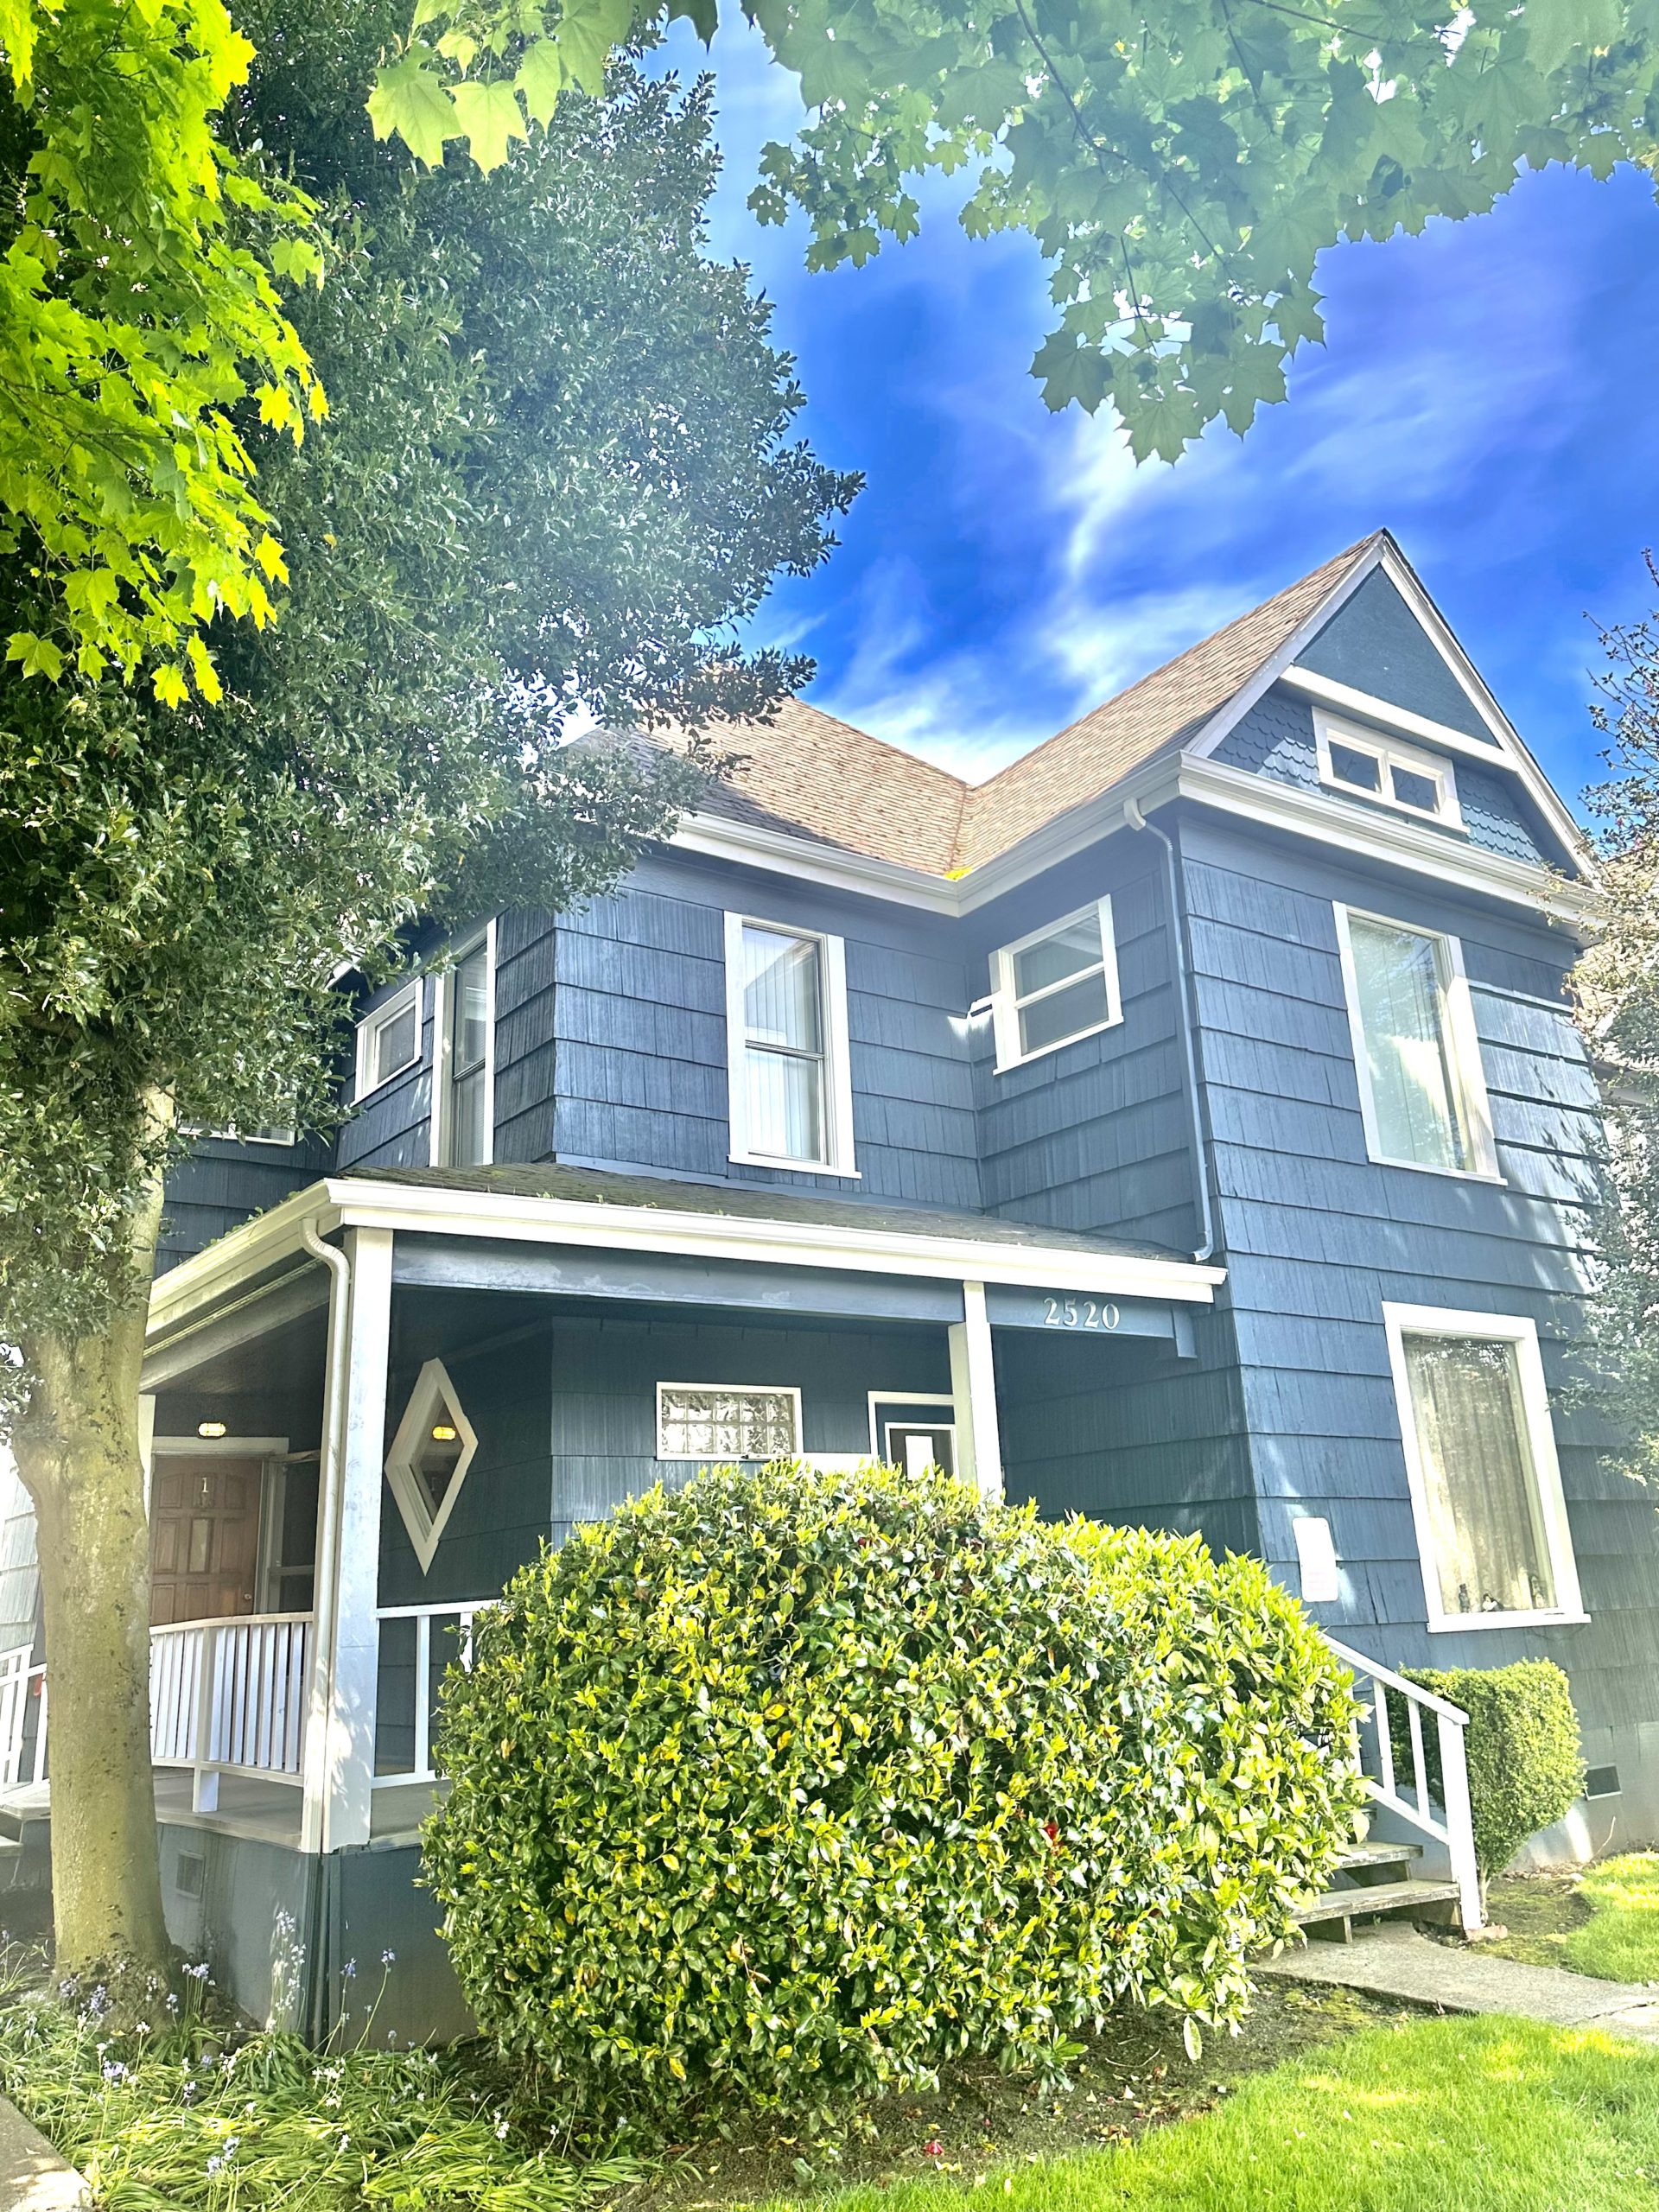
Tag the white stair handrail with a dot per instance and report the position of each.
(1453, 1829)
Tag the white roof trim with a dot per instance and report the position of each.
(751, 844)
(1395, 841)
(348, 1201)
(1506, 749)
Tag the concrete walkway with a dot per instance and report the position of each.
(33, 2177)
(1398, 1962)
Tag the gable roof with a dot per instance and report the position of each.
(806, 772)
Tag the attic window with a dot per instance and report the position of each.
(1365, 762)
(429, 1456)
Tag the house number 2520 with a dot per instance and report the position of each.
(1078, 1313)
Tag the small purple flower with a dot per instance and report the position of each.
(348, 1972)
(388, 1958)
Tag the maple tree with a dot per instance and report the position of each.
(140, 318)
(1183, 165)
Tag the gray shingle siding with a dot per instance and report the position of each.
(1375, 643)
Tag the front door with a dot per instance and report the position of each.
(204, 1538)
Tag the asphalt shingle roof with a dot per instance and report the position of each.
(806, 771)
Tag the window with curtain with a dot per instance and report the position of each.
(785, 1062)
(1479, 1478)
(466, 1133)
(1413, 1071)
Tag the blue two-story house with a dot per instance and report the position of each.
(1186, 1126)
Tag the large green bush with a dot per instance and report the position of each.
(791, 1783)
(1526, 1762)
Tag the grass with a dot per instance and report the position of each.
(176, 2118)
(1487, 2115)
(1603, 1922)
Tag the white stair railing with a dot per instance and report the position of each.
(1447, 1820)
(20, 1680)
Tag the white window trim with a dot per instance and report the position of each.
(1006, 1005)
(443, 1043)
(1386, 750)
(839, 1157)
(1463, 1041)
(432, 1388)
(878, 1398)
(369, 1028)
(731, 1391)
(1538, 1442)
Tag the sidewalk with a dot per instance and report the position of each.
(1398, 1962)
(33, 2177)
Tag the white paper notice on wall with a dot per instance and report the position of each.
(1316, 1555)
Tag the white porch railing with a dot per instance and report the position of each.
(1448, 1821)
(228, 1696)
(22, 1760)
(412, 1661)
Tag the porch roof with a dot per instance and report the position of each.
(570, 1206)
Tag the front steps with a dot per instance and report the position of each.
(1376, 1881)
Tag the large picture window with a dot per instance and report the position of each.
(717, 1423)
(1487, 1486)
(1421, 1091)
(791, 1093)
(1055, 986)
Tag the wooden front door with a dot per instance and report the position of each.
(204, 1538)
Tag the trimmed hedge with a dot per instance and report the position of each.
(1526, 1761)
(790, 1783)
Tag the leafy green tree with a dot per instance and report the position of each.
(1182, 165)
(139, 317)
(557, 466)
(1616, 983)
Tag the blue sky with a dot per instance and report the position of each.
(1485, 391)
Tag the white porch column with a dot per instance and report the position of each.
(339, 1719)
(973, 1385)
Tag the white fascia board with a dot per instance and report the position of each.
(422, 1208)
(428, 1209)
(750, 845)
(1395, 844)
(1510, 753)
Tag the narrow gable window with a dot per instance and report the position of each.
(1422, 1094)
(389, 1038)
(790, 1087)
(1361, 762)
(466, 1111)
(1055, 986)
(716, 1424)
(1487, 1486)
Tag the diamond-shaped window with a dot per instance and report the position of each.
(429, 1460)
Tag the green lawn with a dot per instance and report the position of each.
(1604, 1921)
(1490, 2115)
(1620, 1941)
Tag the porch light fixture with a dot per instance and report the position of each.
(429, 1458)
(210, 1428)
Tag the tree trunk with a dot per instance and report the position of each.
(78, 1455)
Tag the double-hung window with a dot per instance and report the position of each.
(1422, 1093)
(1363, 762)
(717, 1423)
(790, 1089)
(463, 1126)
(1055, 986)
(1485, 1482)
(389, 1038)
